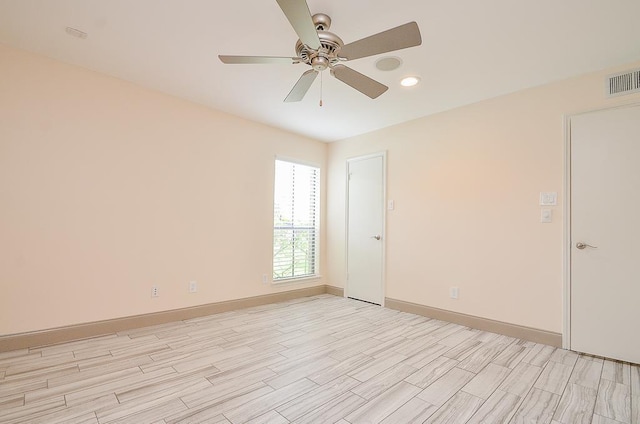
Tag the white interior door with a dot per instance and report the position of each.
(365, 224)
(605, 233)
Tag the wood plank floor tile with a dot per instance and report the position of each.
(313, 360)
(554, 377)
(95, 381)
(635, 409)
(9, 389)
(587, 372)
(512, 355)
(102, 364)
(13, 355)
(383, 381)
(332, 412)
(272, 400)
(71, 414)
(426, 356)
(132, 382)
(295, 374)
(150, 414)
(458, 337)
(410, 347)
(384, 405)
(477, 360)
(414, 411)
(353, 348)
(210, 409)
(435, 369)
(11, 401)
(563, 356)
(457, 410)
(463, 350)
(487, 381)
(446, 330)
(271, 417)
(576, 405)
(41, 364)
(616, 371)
(446, 386)
(598, 419)
(383, 347)
(315, 398)
(614, 401)
(538, 407)
(264, 358)
(521, 379)
(498, 409)
(141, 389)
(25, 413)
(539, 355)
(341, 368)
(425, 329)
(227, 389)
(375, 367)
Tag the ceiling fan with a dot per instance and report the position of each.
(321, 49)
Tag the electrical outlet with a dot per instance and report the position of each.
(193, 286)
(453, 292)
(154, 291)
(265, 279)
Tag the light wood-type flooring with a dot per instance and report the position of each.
(313, 360)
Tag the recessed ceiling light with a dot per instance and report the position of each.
(76, 33)
(388, 63)
(410, 81)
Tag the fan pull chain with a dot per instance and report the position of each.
(321, 88)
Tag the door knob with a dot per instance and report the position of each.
(377, 237)
(580, 245)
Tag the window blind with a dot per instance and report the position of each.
(295, 226)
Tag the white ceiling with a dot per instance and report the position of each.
(472, 50)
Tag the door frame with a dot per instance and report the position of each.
(566, 221)
(383, 271)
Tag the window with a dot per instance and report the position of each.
(295, 223)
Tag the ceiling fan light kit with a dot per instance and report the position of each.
(321, 50)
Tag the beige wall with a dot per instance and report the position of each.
(107, 188)
(466, 187)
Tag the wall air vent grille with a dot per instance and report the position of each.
(623, 83)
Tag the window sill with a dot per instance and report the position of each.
(297, 280)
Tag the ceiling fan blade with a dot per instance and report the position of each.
(407, 35)
(362, 83)
(302, 86)
(297, 12)
(258, 59)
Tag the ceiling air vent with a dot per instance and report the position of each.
(623, 83)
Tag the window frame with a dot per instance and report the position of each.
(316, 260)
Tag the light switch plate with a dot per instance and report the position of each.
(545, 215)
(548, 198)
(391, 205)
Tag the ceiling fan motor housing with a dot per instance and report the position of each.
(330, 45)
(326, 55)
